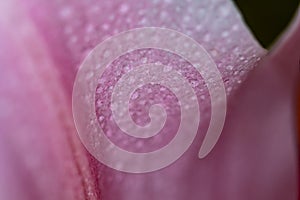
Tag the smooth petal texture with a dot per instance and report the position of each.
(39, 66)
(41, 158)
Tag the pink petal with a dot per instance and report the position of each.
(254, 158)
(41, 158)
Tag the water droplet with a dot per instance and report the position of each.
(89, 75)
(162, 89)
(198, 27)
(225, 34)
(65, 12)
(186, 18)
(73, 39)
(105, 27)
(135, 95)
(99, 103)
(214, 53)
(224, 11)
(90, 28)
(163, 15)
(101, 118)
(144, 60)
(124, 8)
(194, 83)
(229, 67)
(106, 53)
(235, 27)
(167, 68)
(206, 38)
(140, 144)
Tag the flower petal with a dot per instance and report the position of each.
(44, 64)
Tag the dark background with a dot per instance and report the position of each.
(267, 18)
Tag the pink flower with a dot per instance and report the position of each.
(41, 157)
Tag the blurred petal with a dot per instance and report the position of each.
(40, 157)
